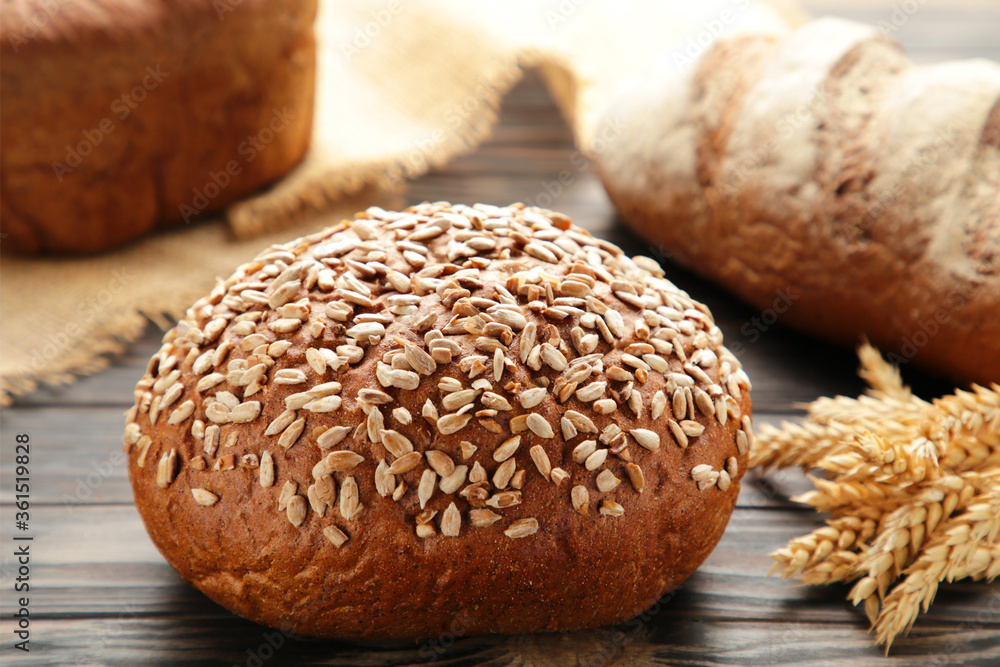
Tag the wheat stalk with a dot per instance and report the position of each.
(913, 488)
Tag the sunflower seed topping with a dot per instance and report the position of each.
(336, 536)
(452, 423)
(428, 479)
(440, 462)
(266, 470)
(204, 497)
(539, 426)
(522, 528)
(482, 518)
(581, 499)
(606, 481)
(646, 438)
(494, 349)
(166, 469)
(611, 508)
(507, 449)
(333, 436)
(350, 499)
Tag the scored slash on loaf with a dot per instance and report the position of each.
(481, 396)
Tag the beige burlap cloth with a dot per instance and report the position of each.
(404, 85)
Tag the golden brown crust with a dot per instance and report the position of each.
(115, 112)
(577, 505)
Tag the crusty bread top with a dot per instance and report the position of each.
(476, 351)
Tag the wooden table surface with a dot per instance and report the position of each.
(101, 593)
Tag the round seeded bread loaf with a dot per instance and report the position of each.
(120, 115)
(447, 414)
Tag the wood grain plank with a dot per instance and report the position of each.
(663, 640)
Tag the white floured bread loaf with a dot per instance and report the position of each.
(821, 163)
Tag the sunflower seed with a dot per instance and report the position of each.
(425, 489)
(539, 426)
(405, 463)
(704, 402)
(209, 381)
(278, 348)
(636, 476)
(646, 438)
(605, 406)
(289, 376)
(701, 472)
(581, 499)
(451, 521)
(204, 497)
(452, 423)
(732, 467)
(568, 429)
(212, 436)
(266, 470)
(507, 449)
(397, 443)
(495, 401)
(658, 404)
(166, 469)
(374, 396)
(596, 459)
(478, 473)
(482, 518)
(504, 499)
(606, 481)
(742, 442)
(440, 462)
(458, 399)
(503, 473)
(385, 481)
(296, 510)
(291, 434)
(692, 429)
(280, 423)
(510, 318)
(333, 436)
(553, 357)
(403, 416)
(336, 536)
(522, 527)
(374, 425)
(454, 481)
(532, 397)
(339, 461)
(541, 459)
(245, 412)
(611, 508)
(421, 362)
(183, 411)
(325, 404)
(591, 392)
(582, 451)
(527, 341)
(216, 412)
(678, 433)
(350, 500)
(580, 421)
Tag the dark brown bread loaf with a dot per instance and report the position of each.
(821, 163)
(448, 414)
(121, 115)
